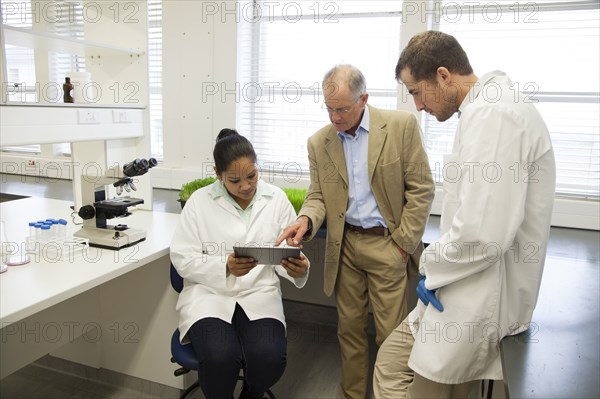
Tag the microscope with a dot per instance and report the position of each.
(97, 209)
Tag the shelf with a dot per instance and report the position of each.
(70, 105)
(63, 124)
(61, 44)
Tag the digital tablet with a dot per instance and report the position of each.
(267, 255)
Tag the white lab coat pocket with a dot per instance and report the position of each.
(462, 336)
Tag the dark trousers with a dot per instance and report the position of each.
(223, 349)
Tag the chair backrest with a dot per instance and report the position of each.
(176, 279)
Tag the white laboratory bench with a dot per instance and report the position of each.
(103, 308)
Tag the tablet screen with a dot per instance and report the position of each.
(267, 255)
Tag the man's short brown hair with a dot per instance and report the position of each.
(427, 51)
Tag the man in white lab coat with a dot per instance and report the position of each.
(481, 278)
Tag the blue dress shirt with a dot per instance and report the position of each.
(362, 207)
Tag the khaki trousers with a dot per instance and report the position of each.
(371, 269)
(393, 379)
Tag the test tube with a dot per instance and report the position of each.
(62, 228)
(54, 229)
(45, 233)
(31, 231)
(38, 232)
(49, 222)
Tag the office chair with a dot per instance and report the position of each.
(183, 354)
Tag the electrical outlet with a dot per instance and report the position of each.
(31, 162)
(121, 116)
(88, 116)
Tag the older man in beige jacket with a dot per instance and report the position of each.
(371, 184)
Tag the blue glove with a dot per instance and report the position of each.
(427, 296)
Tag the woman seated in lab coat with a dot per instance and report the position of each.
(230, 307)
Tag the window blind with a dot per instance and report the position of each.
(283, 53)
(550, 51)
(155, 77)
(548, 48)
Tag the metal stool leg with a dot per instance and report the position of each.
(189, 390)
(490, 389)
(268, 392)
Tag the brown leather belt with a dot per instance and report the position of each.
(374, 231)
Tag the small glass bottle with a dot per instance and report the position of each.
(67, 91)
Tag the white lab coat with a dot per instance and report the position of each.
(208, 229)
(499, 185)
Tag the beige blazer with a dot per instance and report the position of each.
(400, 179)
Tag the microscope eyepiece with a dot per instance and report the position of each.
(139, 166)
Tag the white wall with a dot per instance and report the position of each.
(199, 54)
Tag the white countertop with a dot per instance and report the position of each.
(44, 282)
